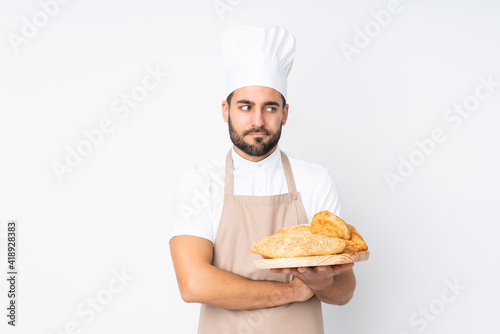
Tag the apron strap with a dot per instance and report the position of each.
(290, 182)
(229, 178)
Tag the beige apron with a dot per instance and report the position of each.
(244, 220)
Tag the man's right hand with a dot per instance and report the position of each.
(301, 290)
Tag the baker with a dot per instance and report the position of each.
(223, 206)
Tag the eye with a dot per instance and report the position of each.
(271, 109)
(245, 108)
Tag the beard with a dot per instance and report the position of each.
(260, 147)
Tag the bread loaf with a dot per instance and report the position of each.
(304, 228)
(281, 245)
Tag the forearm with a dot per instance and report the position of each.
(338, 290)
(223, 289)
(201, 282)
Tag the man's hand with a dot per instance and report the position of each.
(331, 284)
(316, 278)
(301, 290)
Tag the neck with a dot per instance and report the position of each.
(251, 157)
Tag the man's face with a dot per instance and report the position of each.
(255, 119)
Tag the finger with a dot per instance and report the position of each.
(338, 268)
(306, 271)
(323, 268)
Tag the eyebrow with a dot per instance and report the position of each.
(267, 103)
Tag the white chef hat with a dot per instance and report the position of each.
(258, 56)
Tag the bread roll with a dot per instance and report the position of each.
(326, 223)
(356, 239)
(351, 247)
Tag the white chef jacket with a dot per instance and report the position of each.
(199, 194)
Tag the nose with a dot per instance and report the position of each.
(257, 119)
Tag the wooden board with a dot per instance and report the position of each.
(312, 261)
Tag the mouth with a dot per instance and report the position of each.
(257, 134)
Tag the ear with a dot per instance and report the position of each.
(285, 115)
(225, 111)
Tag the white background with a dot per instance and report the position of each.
(112, 212)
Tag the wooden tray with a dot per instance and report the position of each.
(312, 261)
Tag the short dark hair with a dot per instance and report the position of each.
(230, 96)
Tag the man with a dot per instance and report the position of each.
(222, 207)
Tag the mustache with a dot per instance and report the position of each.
(254, 130)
